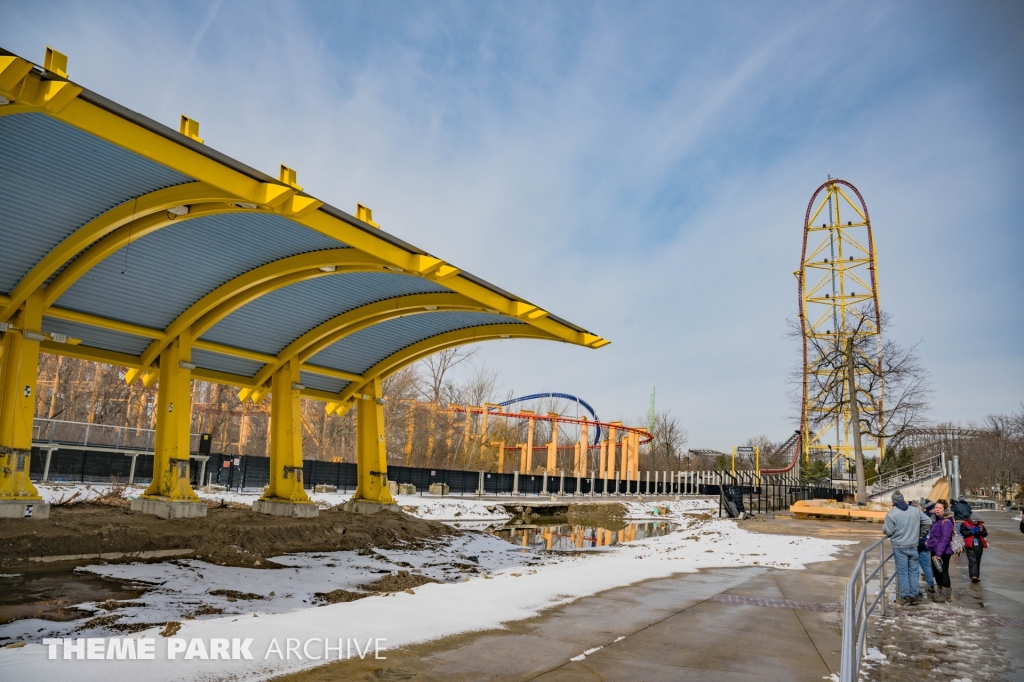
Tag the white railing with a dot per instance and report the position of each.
(908, 474)
(856, 608)
(98, 436)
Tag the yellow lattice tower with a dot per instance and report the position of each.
(838, 290)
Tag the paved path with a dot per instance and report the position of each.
(718, 625)
(979, 636)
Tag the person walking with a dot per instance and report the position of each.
(903, 525)
(939, 544)
(924, 557)
(974, 532)
(961, 511)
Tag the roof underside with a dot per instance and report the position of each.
(254, 279)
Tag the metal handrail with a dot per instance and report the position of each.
(46, 431)
(903, 475)
(856, 610)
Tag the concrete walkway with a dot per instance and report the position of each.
(717, 625)
(979, 636)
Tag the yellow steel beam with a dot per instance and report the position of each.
(418, 351)
(262, 278)
(91, 354)
(171, 443)
(105, 323)
(119, 238)
(59, 99)
(19, 369)
(337, 328)
(286, 437)
(97, 228)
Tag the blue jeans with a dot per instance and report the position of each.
(925, 559)
(906, 566)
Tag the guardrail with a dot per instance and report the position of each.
(96, 436)
(856, 609)
(908, 474)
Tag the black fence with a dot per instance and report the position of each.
(252, 472)
(248, 471)
(745, 493)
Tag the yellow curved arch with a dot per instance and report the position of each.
(117, 239)
(267, 278)
(340, 326)
(434, 344)
(131, 211)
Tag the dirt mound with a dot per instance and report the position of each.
(610, 515)
(404, 580)
(228, 535)
(338, 596)
(234, 595)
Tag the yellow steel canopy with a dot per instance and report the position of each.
(134, 234)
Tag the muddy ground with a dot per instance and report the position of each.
(232, 535)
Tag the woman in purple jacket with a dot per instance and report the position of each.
(939, 545)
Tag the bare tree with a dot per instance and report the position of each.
(665, 451)
(993, 460)
(436, 368)
(893, 394)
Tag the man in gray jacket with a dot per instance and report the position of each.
(905, 525)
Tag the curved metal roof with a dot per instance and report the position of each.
(256, 271)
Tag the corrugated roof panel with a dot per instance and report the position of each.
(271, 322)
(362, 350)
(170, 269)
(55, 178)
(322, 383)
(96, 337)
(225, 363)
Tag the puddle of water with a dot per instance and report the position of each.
(54, 595)
(569, 537)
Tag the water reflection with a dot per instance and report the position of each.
(571, 537)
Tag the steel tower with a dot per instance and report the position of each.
(838, 292)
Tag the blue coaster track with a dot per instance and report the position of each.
(563, 396)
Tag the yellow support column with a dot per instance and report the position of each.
(170, 495)
(19, 366)
(410, 431)
(372, 462)
(635, 461)
(286, 494)
(552, 462)
(609, 472)
(580, 466)
(529, 443)
(501, 457)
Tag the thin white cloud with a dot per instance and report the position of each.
(642, 173)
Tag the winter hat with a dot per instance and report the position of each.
(975, 518)
(897, 497)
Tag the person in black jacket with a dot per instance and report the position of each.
(974, 532)
(961, 511)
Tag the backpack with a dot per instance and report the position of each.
(956, 542)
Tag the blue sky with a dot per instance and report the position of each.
(639, 169)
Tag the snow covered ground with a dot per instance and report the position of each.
(485, 582)
(448, 508)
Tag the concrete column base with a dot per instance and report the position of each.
(24, 509)
(366, 507)
(166, 509)
(296, 510)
